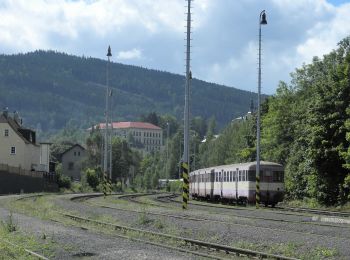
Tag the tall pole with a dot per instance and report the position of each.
(185, 158)
(262, 21)
(111, 135)
(105, 156)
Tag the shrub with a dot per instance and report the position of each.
(92, 178)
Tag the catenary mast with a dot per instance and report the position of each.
(185, 158)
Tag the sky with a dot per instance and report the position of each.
(150, 33)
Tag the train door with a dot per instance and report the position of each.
(205, 184)
(236, 182)
(212, 178)
(222, 182)
(198, 183)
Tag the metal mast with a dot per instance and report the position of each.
(262, 21)
(111, 135)
(185, 158)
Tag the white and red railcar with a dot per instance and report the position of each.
(237, 182)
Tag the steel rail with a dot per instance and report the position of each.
(217, 221)
(26, 250)
(224, 248)
(316, 211)
(262, 218)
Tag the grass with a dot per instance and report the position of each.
(313, 204)
(10, 232)
(289, 249)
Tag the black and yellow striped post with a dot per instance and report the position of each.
(257, 192)
(185, 187)
(104, 184)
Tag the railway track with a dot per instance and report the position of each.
(201, 219)
(170, 198)
(29, 252)
(192, 246)
(315, 211)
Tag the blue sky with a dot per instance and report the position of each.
(150, 33)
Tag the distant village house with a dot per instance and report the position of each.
(72, 160)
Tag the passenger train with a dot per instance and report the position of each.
(237, 183)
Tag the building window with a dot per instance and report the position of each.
(6, 132)
(78, 153)
(13, 150)
(75, 153)
(70, 165)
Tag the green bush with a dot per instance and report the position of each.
(63, 181)
(175, 186)
(92, 178)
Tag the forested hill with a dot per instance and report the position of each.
(49, 89)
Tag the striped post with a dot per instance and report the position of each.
(185, 187)
(257, 192)
(104, 185)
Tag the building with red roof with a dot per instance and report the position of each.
(141, 135)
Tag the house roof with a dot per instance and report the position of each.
(121, 125)
(76, 145)
(20, 131)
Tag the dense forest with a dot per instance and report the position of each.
(51, 90)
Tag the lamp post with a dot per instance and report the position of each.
(105, 157)
(262, 21)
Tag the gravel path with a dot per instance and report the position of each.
(76, 241)
(302, 237)
(240, 230)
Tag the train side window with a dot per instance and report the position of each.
(251, 175)
(278, 176)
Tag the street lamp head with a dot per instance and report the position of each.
(109, 53)
(263, 18)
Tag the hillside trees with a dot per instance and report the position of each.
(305, 128)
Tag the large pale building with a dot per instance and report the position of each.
(18, 145)
(141, 135)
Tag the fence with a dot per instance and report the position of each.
(18, 180)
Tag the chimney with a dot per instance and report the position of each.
(5, 112)
(16, 118)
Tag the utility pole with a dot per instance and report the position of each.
(111, 135)
(185, 159)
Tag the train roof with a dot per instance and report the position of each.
(246, 164)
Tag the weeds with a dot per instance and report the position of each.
(9, 224)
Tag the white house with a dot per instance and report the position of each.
(18, 146)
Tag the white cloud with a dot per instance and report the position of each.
(149, 33)
(324, 36)
(130, 54)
